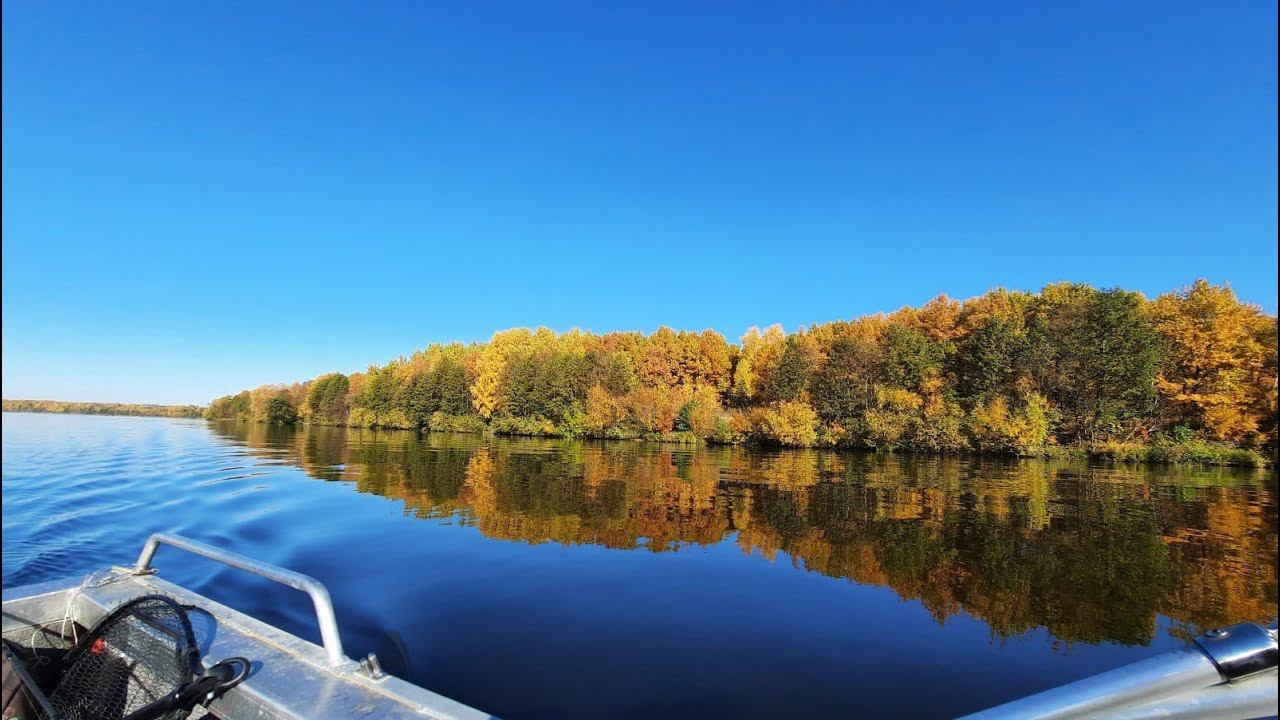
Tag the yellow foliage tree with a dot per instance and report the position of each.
(890, 420)
(759, 354)
(997, 426)
(654, 409)
(705, 411)
(604, 412)
(486, 389)
(787, 423)
(1217, 365)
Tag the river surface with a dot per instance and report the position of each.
(539, 578)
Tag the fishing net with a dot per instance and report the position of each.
(141, 662)
(141, 652)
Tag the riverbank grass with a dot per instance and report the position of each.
(1169, 450)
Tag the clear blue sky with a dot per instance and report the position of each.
(201, 197)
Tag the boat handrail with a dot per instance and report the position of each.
(1227, 659)
(319, 595)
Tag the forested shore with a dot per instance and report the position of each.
(94, 408)
(1190, 375)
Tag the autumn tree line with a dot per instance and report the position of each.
(95, 408)
(1189, 375)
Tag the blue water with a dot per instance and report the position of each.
(535, 578)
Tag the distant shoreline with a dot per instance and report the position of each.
(1152, 451)
(1159, 452)
(97, 408)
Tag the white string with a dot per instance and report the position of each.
(85, 584)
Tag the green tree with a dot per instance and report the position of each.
(1105, 357)
(911, 357)
(327, 397)
(789, 379)
(230, 407)
(548, 384)
(280, 411)
(844, 385)
(988, 358)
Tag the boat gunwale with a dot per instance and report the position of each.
(284, 662)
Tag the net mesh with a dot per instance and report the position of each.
(142, 651)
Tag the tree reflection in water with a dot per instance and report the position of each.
(1090, 553)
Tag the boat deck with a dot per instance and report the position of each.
(290, 677)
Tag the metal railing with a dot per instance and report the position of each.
(1228, 673)
(312, 587)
